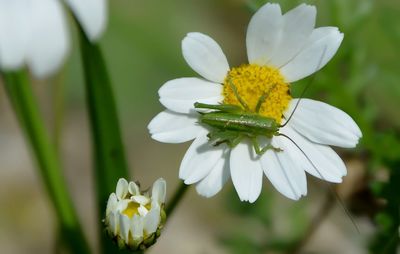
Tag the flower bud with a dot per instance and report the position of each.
(134, 219)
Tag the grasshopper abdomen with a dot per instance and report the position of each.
(244, 123)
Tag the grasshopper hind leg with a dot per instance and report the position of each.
(261, 150)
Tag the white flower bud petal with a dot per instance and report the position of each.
(122, 188)
(113, 222)
(133, 189)
(125, 227)
(151, 221)
(122, 205)
(158, 192)
(137, 227)
(111, 204)
(140, 199)
(142, 211)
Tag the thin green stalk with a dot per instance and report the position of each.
(179, 193)
(58, 112)
(109, 157)
(26, 108)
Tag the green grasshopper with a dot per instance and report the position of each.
(232, 123)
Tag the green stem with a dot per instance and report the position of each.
(179, 193)
(109, 157)
(26, 108)
(58, 104)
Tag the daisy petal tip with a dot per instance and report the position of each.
(295, 198)
(193, 35)
(202, 193)
(242, 199)
(270, 6)
(309, 7)
(190, 180)
(204, 55)
(157, 137)
(252, 199)
(206, 193)
(359, 134)
(292, 196)
(181, 176)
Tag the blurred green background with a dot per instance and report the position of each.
(142, 49)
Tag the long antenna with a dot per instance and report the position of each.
(263, 97)
(340, 201)
(306, 87)
(236, 93)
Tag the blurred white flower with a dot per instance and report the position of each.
(35, 32)
(134, 219)
(281, 48)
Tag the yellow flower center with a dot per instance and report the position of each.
(254, 83)
(133, 207)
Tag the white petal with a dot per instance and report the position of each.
(205, 56)
(14, 33)
(151, 221)
(49, 42)
(319, 160)
(200, 159)
(122, 188)
(216, 179)
(133, 189)
(122, 205)
(283, 171)
(298, 24)
(137, 227)
(114, 222)
(246, 172)
(140, 199)
(171, 127)
(321, 47)
(159, 191)
(324, 124)
(179, 95)
(92, 15)
(263, 33)
(125, 227)
(142, 211)
(111, 203)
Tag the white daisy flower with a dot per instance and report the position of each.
(281, 49)
(134, 219)
(35, 33)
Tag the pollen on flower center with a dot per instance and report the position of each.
(135, 206)
(253, 82)
(131, 209)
